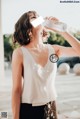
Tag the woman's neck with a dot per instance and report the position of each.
(36, 46)
(36, 42)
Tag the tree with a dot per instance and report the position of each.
(55, 38)
(7, 47)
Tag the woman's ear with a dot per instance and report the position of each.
(30, 35)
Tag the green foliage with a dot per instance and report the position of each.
(55, 38)
(7, 47)
(77, 35)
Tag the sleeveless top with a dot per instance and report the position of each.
(39, 82)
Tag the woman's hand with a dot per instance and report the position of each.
(54, 20)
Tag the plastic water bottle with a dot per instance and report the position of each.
(59, 26)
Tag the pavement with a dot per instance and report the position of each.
(68, 91)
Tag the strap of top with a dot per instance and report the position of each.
(51, 49)
(25, 51)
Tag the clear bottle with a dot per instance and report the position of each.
(59, 26)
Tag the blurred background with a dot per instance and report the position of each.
(67, 80)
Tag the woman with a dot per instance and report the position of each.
(33, 74)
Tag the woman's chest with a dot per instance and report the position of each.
(40, 57)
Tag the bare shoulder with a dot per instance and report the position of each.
(17, 54)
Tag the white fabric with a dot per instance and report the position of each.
(39, 82)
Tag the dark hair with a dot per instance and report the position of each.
(23, 28)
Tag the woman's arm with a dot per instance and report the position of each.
(17, 82)
(68, 51)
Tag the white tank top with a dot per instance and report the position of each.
(39, 82)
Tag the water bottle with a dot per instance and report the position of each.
(59, 26)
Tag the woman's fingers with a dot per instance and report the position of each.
(55, 19)
(52, 18)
